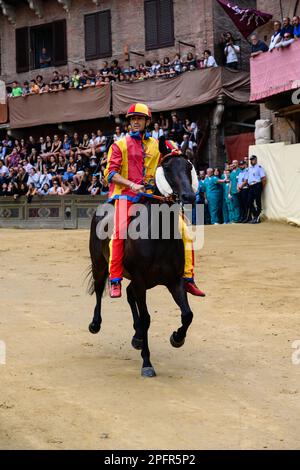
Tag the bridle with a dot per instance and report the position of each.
(161, 182)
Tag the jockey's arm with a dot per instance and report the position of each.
(118, 179)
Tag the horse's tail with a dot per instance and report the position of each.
(98, 269)
(90, 280)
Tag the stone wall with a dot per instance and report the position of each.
(69, 212)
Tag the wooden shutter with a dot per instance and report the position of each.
(104, 34)
(59, 43)
(151, 24)
(165, 23)
(90, 36)
(22, 50)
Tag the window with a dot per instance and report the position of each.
(98, 35)
(159, 24)
(51, 36)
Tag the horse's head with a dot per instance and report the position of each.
(176, 175)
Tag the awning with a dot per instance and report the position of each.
(61, 106)
(189, 89)
(275, 72)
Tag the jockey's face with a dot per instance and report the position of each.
(138, 123)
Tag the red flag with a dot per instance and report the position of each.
(245, 19)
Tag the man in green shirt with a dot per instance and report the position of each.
(16, 90)
(233, 191)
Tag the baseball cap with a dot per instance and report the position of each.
(253, 157)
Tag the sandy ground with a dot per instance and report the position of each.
(232, 385)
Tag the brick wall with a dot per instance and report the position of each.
(193, 23)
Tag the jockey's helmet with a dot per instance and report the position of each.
(139, 109)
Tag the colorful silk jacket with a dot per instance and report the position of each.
(135, 157)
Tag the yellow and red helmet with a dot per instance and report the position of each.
(139, 109)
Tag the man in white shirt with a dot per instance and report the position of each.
(186, 143)
(256, 179)
(231, 53)
(276, 36)
(34, 177)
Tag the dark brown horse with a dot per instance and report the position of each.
(148, 262)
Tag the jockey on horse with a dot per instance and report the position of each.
(132, 164)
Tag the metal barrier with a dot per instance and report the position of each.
(66, 212)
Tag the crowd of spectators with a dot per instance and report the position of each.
(66, 164)
(284, 35)
(53, 166)
(167, 68)
(233, 195)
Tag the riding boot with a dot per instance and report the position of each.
(115, 289)
(191, 288)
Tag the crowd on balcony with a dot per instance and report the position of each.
(283, 36)
(164, 69)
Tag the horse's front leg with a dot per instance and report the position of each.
(137, 339)
(177, 290)
(139, 292)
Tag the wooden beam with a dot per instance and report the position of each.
(8, 11)
(288, 111)
(37, 7)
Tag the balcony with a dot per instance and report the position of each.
(189, 89)
(60, 106)
(274, 73)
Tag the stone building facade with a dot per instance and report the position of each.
(196, 22)
(193, 24)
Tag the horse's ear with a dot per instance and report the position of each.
(162, 145)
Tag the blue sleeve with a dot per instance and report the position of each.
(110, 176)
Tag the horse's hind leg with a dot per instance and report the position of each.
(99, 286)
(179, 295)
(139, 292)
(137, 340)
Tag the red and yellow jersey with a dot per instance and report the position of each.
(134, 158)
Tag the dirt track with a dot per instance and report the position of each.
(232, 385)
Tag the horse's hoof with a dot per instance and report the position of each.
(174, 343)
(137, 343)
(148, 372)
(94, 328)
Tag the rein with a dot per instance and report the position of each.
(158, 198)
(174, 153)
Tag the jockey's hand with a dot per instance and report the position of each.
(137, 188)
